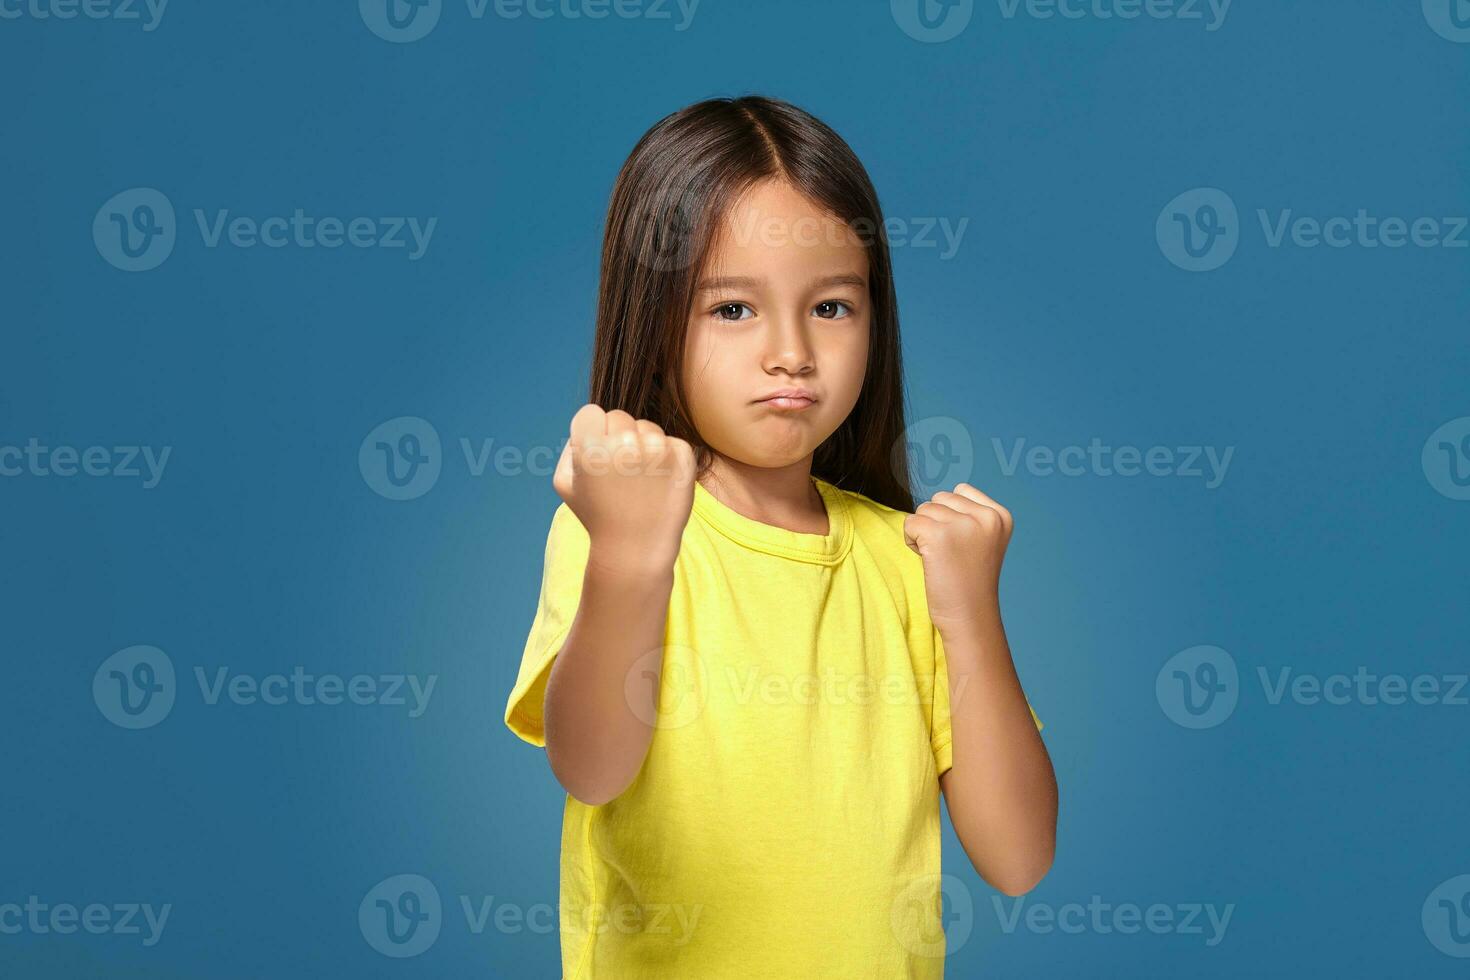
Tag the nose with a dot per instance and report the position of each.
(788, 346)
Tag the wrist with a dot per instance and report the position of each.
(638, 564)
(977, 621)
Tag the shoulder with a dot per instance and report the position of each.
(878, 524)
(870, 511)
(880, 530)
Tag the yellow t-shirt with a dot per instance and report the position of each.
(785, 822)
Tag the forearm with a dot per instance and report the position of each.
(598, 722)
(1001, 792)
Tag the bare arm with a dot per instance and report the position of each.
(598, 713)
(632, 487)
(1001, 792)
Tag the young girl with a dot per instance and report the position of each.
(754, 665)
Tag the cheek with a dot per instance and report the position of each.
(854, 361)
(706, 374)
(715, 360)
(698, 354)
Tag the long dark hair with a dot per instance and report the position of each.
(666, 206)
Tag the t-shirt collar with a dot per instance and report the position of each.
(822, 549)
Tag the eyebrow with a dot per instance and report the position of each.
(749, 282)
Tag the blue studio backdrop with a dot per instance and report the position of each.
(1184, 284)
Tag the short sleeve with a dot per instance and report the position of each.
(942, 738)
(562, 570)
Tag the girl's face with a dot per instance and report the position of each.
(782, 303)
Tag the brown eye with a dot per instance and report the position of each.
(735, 308)
(827, 310)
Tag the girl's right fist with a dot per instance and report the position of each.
(630, 485)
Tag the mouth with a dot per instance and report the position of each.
(791, 399)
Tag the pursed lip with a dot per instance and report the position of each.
(794, 394)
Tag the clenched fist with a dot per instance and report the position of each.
(962, 537)
(630, 485)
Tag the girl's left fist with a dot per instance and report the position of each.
(961, 535)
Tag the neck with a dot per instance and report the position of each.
(784, 496)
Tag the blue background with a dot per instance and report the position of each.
(1059, 319)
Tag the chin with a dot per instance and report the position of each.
(778, 458)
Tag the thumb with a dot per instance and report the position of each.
(917, 530)
(562, 478)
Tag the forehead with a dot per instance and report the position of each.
(774, 226)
